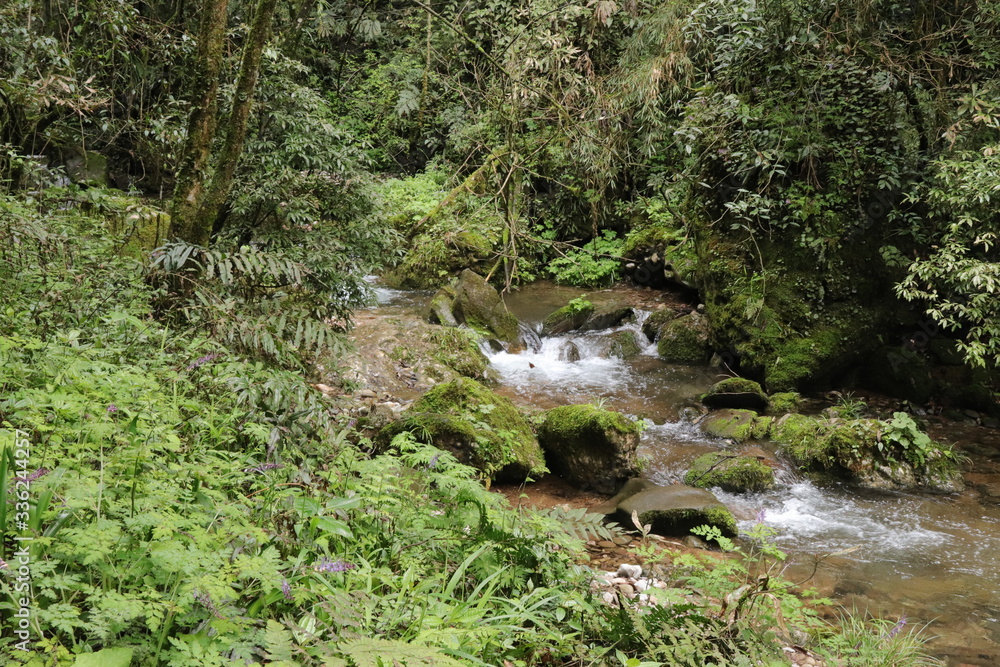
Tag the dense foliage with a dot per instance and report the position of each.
(195, 502)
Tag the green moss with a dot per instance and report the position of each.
(574, 422)
(651, 327)
(684, 340)
(568, 318)
(433, 257)
(458, 349)
(783, 402)
(504, 442)
(624, 345)
(738, 425)
(731, 473)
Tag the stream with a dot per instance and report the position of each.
(934, 559)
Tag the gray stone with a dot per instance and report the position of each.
(676, 509)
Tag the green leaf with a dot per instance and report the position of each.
(107, 657)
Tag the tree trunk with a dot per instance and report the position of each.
(188, 191)
(236, 127)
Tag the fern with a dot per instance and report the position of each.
(374, 652)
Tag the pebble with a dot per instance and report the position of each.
(606, 544)
(641, 585)
(610, 598)
(621, 540)
(367, 393)
(631, 571)
(627, 590)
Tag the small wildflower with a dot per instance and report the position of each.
(327, 565)
(761, 515)
(434, 461)
(286, 589)
(38, 474)
(205, 600)
(895, 630)
(201, 361)
(3, 564)
(111, 409)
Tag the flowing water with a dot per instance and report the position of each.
(934, 559)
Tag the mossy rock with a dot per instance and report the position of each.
(607, 317)
(857, 450)
(479, 305)
(783, 402)
(624, 345)
(458, 349)
(738, 393)
(674, 509)
(736, 473)
(470, 300)
(434, 256)
(651, 327)
(481, 428)
(738, 425)
(684, 340)
(568, 318)
(590, 447)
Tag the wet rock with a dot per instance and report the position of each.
(676, 509)
(470, 300)
(651, 327)
(684, 340)
(623, 345)
(730, 472)
(480, 428)
(738, 425)
(736, 393)
(590, 447)
(607, 317)
(569, 352)
(568, 318)
(694, 542)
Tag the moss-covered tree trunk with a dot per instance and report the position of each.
(201, 124)
(198, 200)
(236, 127)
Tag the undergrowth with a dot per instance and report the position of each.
(190, 505)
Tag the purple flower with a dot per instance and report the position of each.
(201, 361)
(761, 515)
(111, 409)
(3, 564)
(41, 472)
(434, 461)
(205, 600)
(286, 589)
(895, 630)
(327, 565)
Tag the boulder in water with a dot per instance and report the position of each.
(590, 447)
(568, 318)
(738, 425)
(482, 429)
(470, 300)
(623, 344)
(736, 393)
(684, 340)
(730, 472)
(607, 317)
(671, 510)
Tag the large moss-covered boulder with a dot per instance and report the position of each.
(671, 510)
(684, 340)
(731, 472)
(885, 455)
(470, 300)
(88, 168)
(736, 393)
(433, 255)
(623, 345)
(482, 429)
(590, 447)
(738, 425)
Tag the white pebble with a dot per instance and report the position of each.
(641, 585)
(629, 571)
(610, 598)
